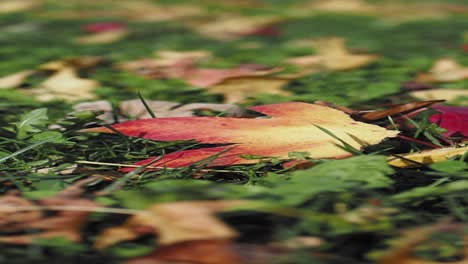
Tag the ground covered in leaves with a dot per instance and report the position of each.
(370, 167)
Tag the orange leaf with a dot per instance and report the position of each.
(290, 128)
(173, 223)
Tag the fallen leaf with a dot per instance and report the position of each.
(64, 82)
(231, 27)
(332, 55)
(451, 118)
(65, 85)
(209, 77)
(164, 61)
(426, 157)
(289, 128)
(222, 251)
(172, 223)
(181, 65)
(102, 27)
(197, 251)
(82, 62)
(14, 80)
(103, 37)
(441, 94)
(10, 6)
(18, 215)
(444, 70)
(135, 109)
(351, 6)
(237, 89)
(395, 12)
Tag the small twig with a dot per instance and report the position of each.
(156, 167)
(419, 141)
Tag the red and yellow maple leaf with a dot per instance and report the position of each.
(291, 127)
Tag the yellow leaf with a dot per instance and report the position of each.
(230, 27)
(236, 89)
(426, 157)
(74, 62)
(441, 94)
(10, 6)
(14, 80)
(66, 85)
(444, 70)
(332, 55)
(103, 37)
(172, 223)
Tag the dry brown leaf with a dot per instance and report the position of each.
(197, 251)
(237, 89)
(220, 251)
(174, 222)
(65, 85)
(14, 80)
(441, 94)
(231, 27)
(426, 157)
(18, 215)
(10, 6)
(102, 37)
(332, 55)
(444, 70)
(394, 110)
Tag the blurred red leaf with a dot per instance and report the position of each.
(451, 118)
(103, 27)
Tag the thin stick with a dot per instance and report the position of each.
(154, 167)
